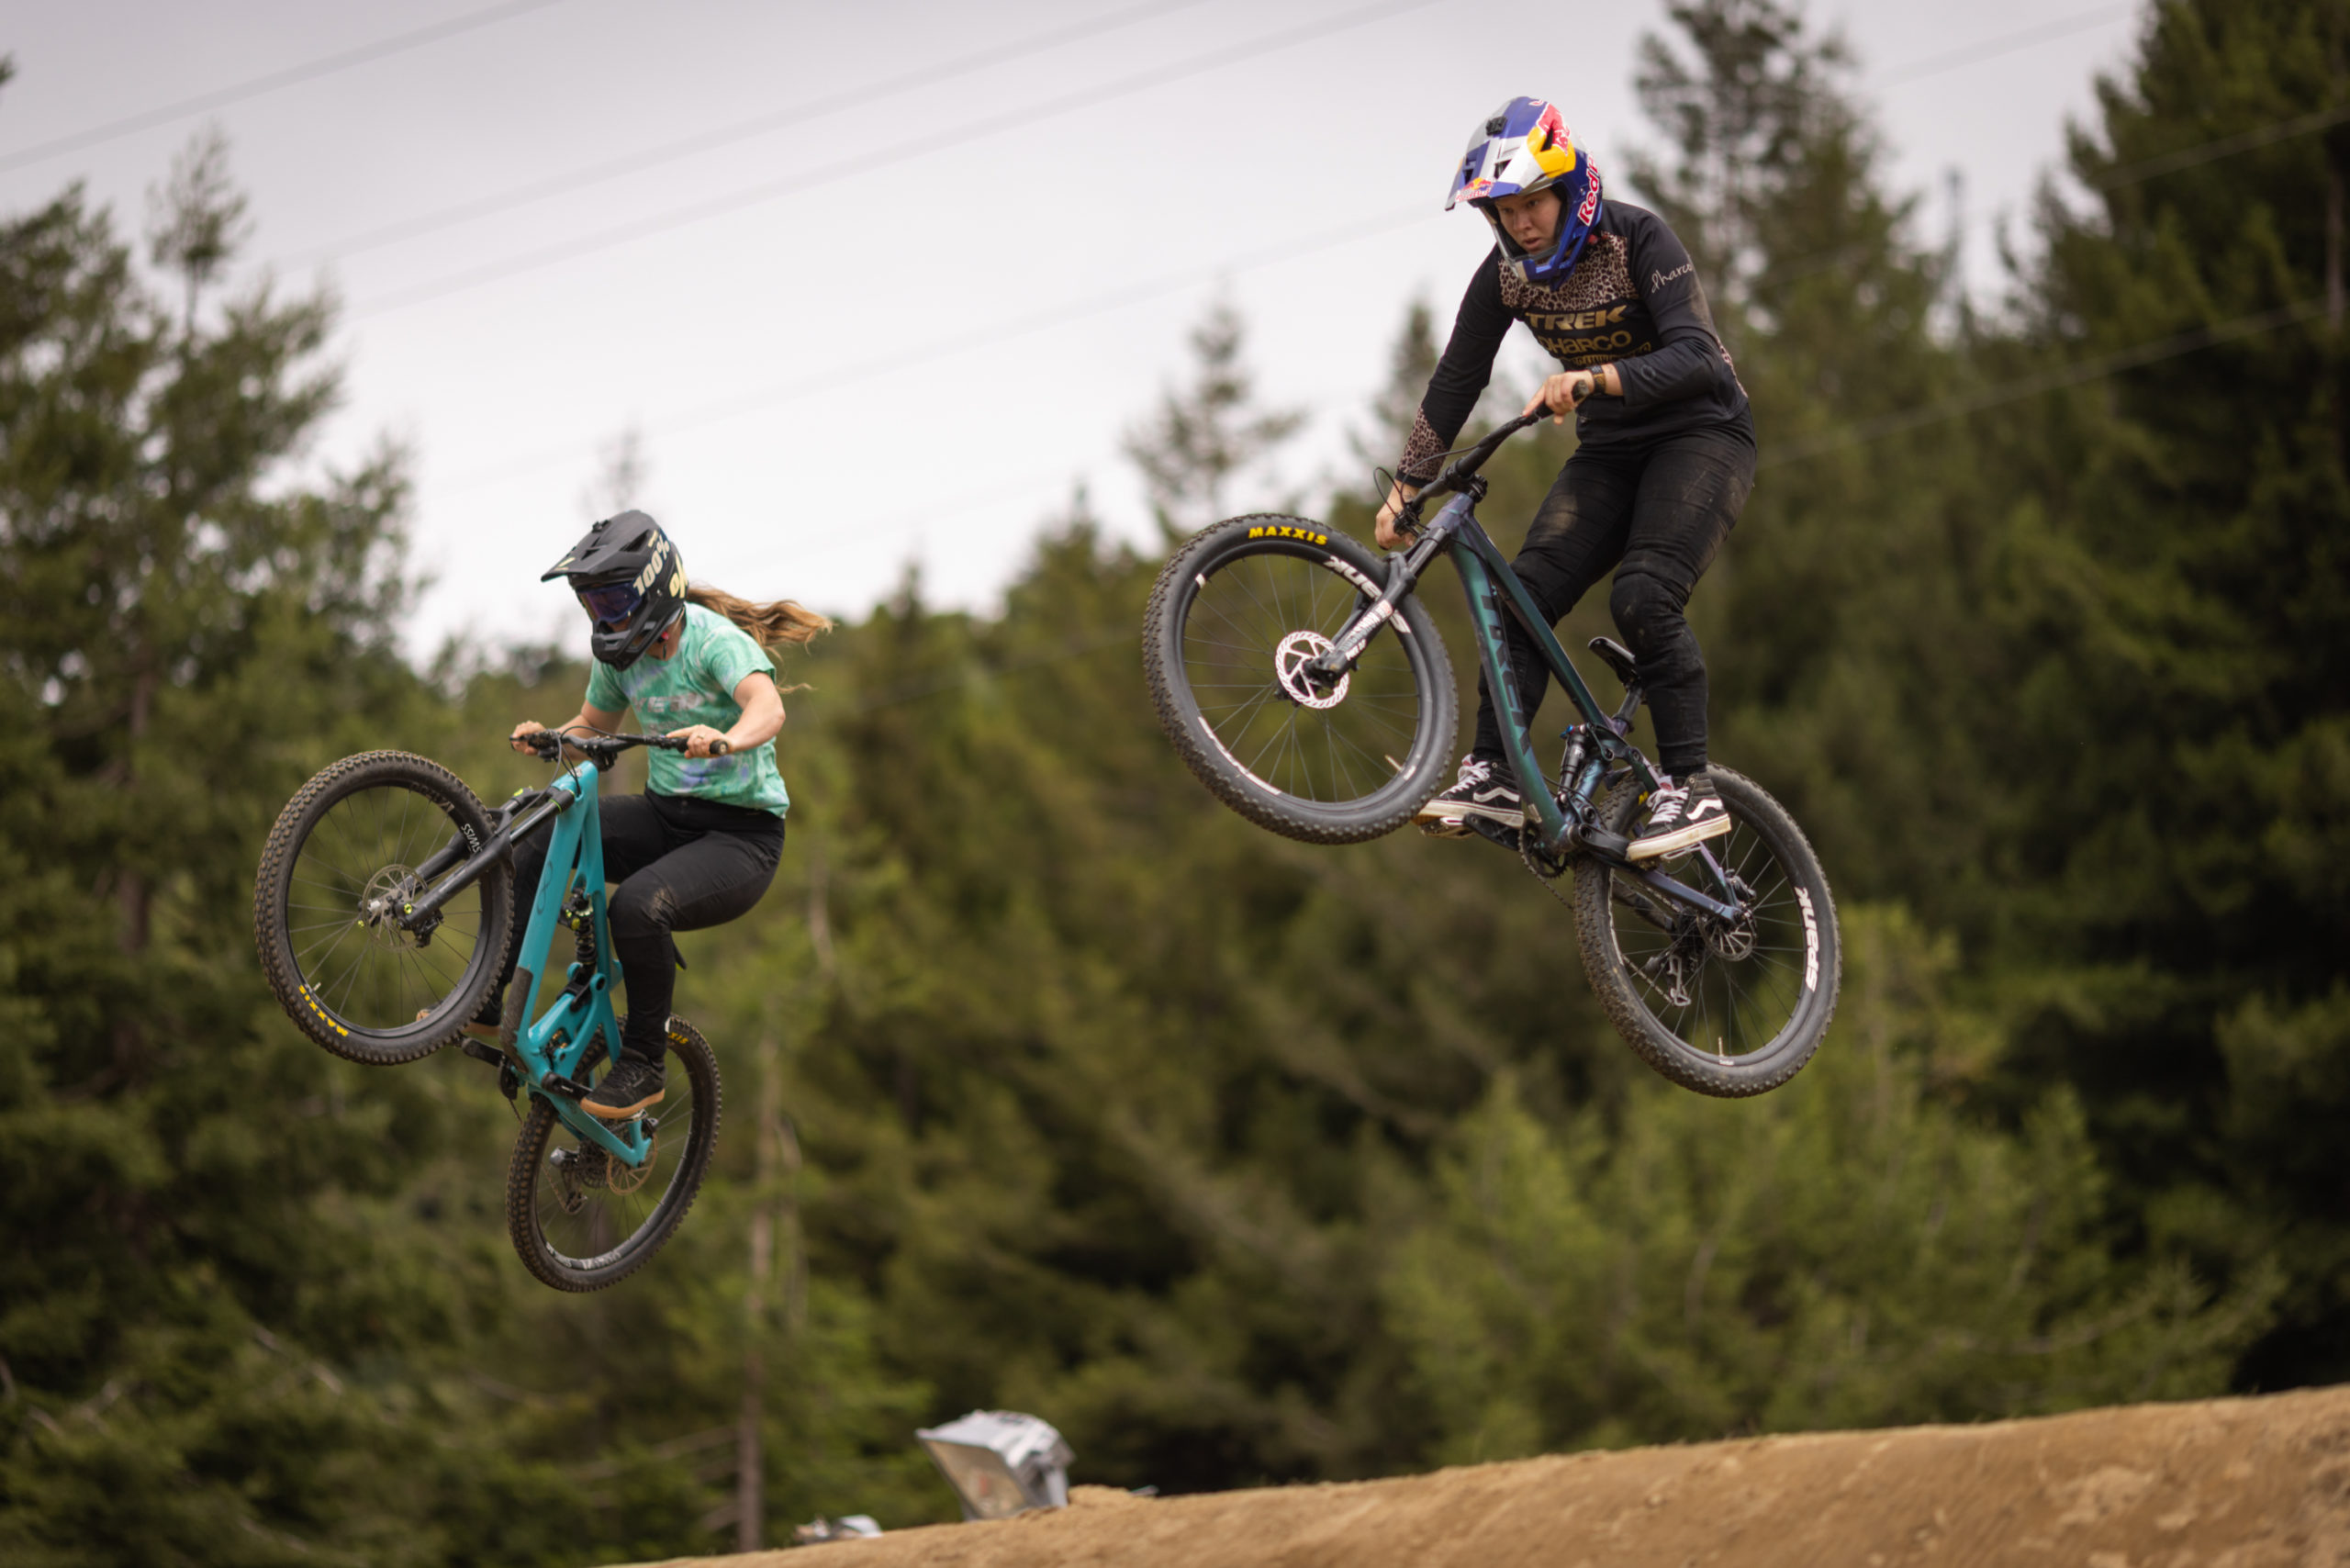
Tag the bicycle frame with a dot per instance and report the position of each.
(1558, 829)
(550, 1048)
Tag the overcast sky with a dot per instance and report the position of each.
(882, 282)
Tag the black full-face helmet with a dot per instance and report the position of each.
(631, 581)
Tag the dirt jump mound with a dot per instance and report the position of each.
(2232, 1483)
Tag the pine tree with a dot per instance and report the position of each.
(1207, 434)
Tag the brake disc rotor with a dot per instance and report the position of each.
(1296, 651)
(619, 1177)
(379, 900)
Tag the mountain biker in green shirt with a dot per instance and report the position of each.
(700, 846)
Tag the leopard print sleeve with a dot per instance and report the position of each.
(1461, 375)
(1419, 464)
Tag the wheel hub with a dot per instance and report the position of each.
(379, 908)
(1735, 939)
(1300, 684)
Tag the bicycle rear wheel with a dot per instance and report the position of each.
(580, 1219)
(1725, 1008)
(1234, 619)
(341, 859)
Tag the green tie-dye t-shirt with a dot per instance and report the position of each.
(695, 686)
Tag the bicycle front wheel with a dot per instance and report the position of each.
(1728, 1008)
(582, 1220)
(342, 859)
(1235, 618)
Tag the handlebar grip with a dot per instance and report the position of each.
(720, 747)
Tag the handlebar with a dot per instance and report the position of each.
(602, 749)
(1462, 469)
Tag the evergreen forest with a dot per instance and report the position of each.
(1052, 1085)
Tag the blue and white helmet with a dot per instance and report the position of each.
(1524, 146)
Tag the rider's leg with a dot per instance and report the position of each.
(635, 835)
(1689, 497)
(722, 859)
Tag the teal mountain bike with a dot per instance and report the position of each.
(384, 908)
(1304, 684)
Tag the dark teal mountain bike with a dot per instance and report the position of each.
(382, 910)
(1304, 685)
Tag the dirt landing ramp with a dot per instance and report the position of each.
(2230, 1483)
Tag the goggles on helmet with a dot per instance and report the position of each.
(611, 604)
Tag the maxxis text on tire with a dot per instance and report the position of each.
(1372, 786)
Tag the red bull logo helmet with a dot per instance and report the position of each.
(1526, 146)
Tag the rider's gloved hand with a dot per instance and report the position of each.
(1389, 536)
(1564, 393)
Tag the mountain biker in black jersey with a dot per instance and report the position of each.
(1665, 452)
(700, 846)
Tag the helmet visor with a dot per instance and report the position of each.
(611, 605)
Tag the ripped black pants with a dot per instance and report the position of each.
(682, 865)
(1656, 517)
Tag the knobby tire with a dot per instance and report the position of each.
(1796, 931)
(353, 989)
(536, 1190)
(1224, 609)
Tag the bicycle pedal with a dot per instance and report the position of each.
(1605, 844)
(1485, 827)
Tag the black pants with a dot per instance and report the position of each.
(1662, 513)
(682, 865)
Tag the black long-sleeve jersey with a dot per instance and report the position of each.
(1633, 298)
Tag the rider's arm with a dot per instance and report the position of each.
(1461, 375)
(1460, 378)
(1689, 360)
(761, 720)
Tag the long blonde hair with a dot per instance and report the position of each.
(774, 625)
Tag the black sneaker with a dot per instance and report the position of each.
(1680, 817)
(1481, 791)
(632, 1085)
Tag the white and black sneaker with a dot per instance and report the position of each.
(1482, 791)
(1680, 817)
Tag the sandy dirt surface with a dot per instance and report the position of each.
(2232, 1483)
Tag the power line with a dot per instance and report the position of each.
(2111, 180)
(326, 65)
(2006, 43)
(2052, 380)
(685, 147)
(1875, 429)
(865, 161)
(934, 349)
(2225, 147)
